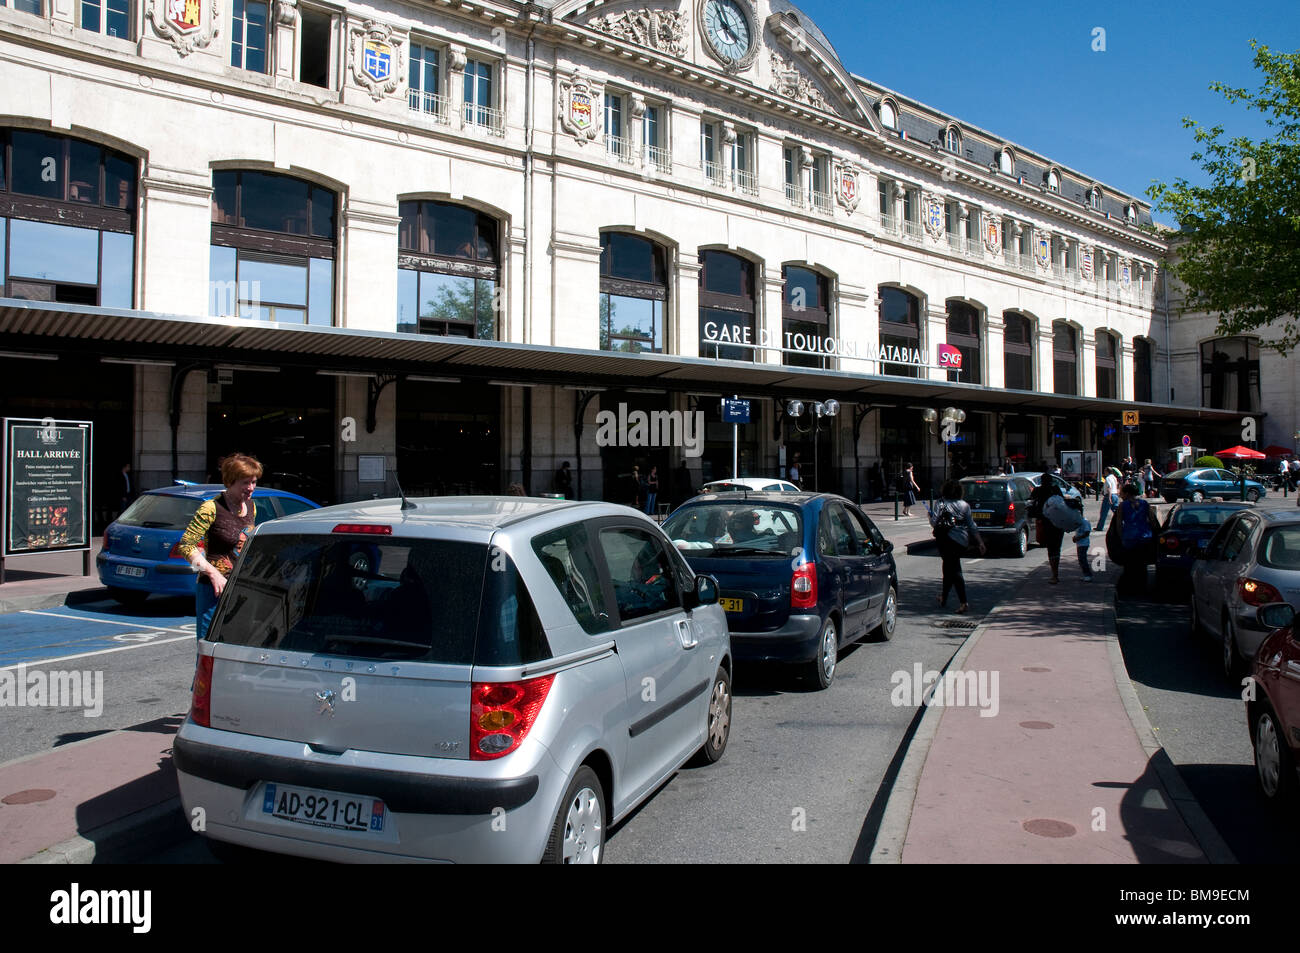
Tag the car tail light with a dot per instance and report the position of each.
(175, 552)
(1171, 542)
(501, 713)
(367, 529)
(803, 587)
(201, 706)
(1011, 515)
(1256, 593)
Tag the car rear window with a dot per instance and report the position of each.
(1280, 548)
(726, 527)
(410, 600)
(159, 511)
(1206, 518)
(984, 491)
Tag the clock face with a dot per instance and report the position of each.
(727, 28)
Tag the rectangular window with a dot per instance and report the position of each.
(882, 191)
(50, 262)
(28, 6)
(650, 127)
(315, 48)
(613, 115)
(631, 324)
(479, 104)
(424, 82)
(248, 35)
(110, 17)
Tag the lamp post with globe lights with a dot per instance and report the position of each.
(817, 410)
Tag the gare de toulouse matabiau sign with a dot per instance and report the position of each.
(737, 335)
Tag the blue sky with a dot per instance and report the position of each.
(1028, 72)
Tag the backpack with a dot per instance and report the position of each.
(1058, 512)
(945, 521)
(1135, 525)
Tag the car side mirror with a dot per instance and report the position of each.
(706, 591)
(887, 547)
(1276, 615)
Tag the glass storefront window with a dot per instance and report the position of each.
(117, 270)
(964, 335)
(1065, 359)
(1017, 351)
(727, 307)
(48, 252)
(631, 324)
(900, 326)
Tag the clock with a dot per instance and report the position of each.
(730, 31)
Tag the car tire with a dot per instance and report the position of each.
(127, 597)
(1230, 657)
(822, 668)
(888, 619)
(578, 836)
(1252, 496)
(1274, 768)
(717, 724)
(1198, 496)
(1021, 547)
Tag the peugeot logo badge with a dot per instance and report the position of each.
(326, 699)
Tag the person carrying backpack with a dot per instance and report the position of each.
(955, 530)
(1131, 539)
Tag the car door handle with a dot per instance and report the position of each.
(685, 635)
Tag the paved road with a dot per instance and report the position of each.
(798, 758)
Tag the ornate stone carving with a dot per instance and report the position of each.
(182, 22)
(662, 30)
(993, 234)
(578, 110)
(286, 12)
(456, 58)
(934, 212)
(848, 185)
(788, 80)
(375, 57)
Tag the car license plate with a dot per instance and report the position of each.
(130, 571)
(982, 516)
(732, 605)
(342, 812)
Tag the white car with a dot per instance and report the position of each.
(757, 484)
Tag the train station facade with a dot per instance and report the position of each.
(432, 242)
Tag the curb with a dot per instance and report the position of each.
(52, 600)
(920, 546)
(122, 841)
(1207, 836)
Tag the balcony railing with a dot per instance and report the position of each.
(794, 195)
(889, 224)
(974, 247)
(660, 158)
(432, 105)
(493, 120)
(913, 231)
(621, 149)
(954, 241)
(713, 172)
(820, 201)
(746, 182)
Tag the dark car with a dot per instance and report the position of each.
(139, 555)
(1201, 483)
(801, 574)
(1273, 709)
(1188, 529)
(1000, 507)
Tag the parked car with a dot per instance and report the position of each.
(801, 574)
(1187, 529)
(752, 484)
(1068, 490)
(1252, 560)
(139, 555)
(1201, 483)
(470, 679)
(1273, 713)
(1000, 507)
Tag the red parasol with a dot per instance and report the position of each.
(1276, 451)
(1241, 453)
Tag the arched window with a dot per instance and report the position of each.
(900, 327)
(952, 140)
(1053, 181)
(633, 293)
(1094, 198)
(1017, 351)
(1142, 357)
(964, 335)
(1230, 374)
(805, 315)
(1107, 365)
(727, 307)
(1065, 358)
(888, 114)
(448, 269)
(1006, 162)
(273, 248)
(1131, 213)
(47, 183)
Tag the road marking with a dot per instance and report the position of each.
(81, 618)
(68, 658)
(972, 562)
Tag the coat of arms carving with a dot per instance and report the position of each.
(578, 112)
(375, 56)
(788, 80)
(934, 216)
(1086, 263)
(662, 30)
(182, 22)
(993, 235)
(847, 186)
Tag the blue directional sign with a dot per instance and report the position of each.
(735, 411)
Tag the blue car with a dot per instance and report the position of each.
(1200, 483)
(800, 574)
(139, 556)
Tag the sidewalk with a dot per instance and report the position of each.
(1068, 770)
(46, 580)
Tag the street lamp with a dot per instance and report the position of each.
(947, 420)
(817, 409)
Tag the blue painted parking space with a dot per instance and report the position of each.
(37, 635)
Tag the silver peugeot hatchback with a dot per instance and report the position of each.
(466, 679)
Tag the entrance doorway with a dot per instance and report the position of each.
(449, 438)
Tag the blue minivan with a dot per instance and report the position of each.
(800, 574)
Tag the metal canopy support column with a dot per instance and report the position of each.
(177, 390)
(375, 387)
(581, 400)
(859, 418)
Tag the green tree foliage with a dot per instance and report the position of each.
(465, 301)
(1238, 241)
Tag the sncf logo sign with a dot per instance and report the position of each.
(949, 357)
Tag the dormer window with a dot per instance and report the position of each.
(1006, 162)
(952, 140)
(1094, 198)
(888, 114)
(1053, 181)
(1131, 213)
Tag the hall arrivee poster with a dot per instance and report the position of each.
(46, 485)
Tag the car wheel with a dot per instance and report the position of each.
(888, 619)
(1252, 495)
(1273, 765)
(1198, 496)
(1231, 658)
(578, 836)
(127, 597)
(822, 668)
(717, 727)
(1021, 546)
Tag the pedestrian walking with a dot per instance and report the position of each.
(222, 525)
(1149, 477)
(794, 472)
(563, 482)
(908, 489)
(1046, 533)
(652, 490)
(956, 532)
(1131, 540)
(1109, 497)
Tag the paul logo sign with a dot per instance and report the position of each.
(949, 357)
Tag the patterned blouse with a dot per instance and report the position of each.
(225, 533)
